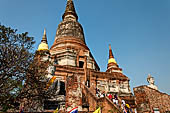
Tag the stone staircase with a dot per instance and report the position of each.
(105, 103)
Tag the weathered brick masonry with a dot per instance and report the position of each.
(148, 99)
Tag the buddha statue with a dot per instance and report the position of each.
(151, 82)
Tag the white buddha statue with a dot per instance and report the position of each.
(151, 82)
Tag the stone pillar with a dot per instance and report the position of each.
(73, 92)
(77, 60)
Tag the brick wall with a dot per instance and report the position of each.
(147, 99)
(73, 92)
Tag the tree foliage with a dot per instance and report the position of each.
(38, 88)
(34, 90)
(22, 74)
(15, 59)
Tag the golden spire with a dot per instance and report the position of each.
(112, 65)
(43, 45)
(111, 57)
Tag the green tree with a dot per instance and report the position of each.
(34, 90)
(15, 58)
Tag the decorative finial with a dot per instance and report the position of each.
(44, 39)
(110, 47)
(112, 64)
(111, 57)
(110, 52)
(43, 45)
(70, 12)
(44, 31)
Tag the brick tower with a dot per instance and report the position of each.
(69, 47)
(73, 74)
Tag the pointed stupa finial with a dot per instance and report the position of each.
(111, 57)
(110, 52)
(44, 39)
(44, 31)
(43, 45)
(112, 65)
(70, 11)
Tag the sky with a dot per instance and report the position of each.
(138, 31)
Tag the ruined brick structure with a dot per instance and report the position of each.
(75, 80)
(73, 68)
(150, 100)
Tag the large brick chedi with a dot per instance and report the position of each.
(74, 75)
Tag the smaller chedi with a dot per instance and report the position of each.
(151, 82)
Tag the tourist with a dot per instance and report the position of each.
(116, 99)
(110, 97)
(123, 104)
(104, 94)
(127, 107)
